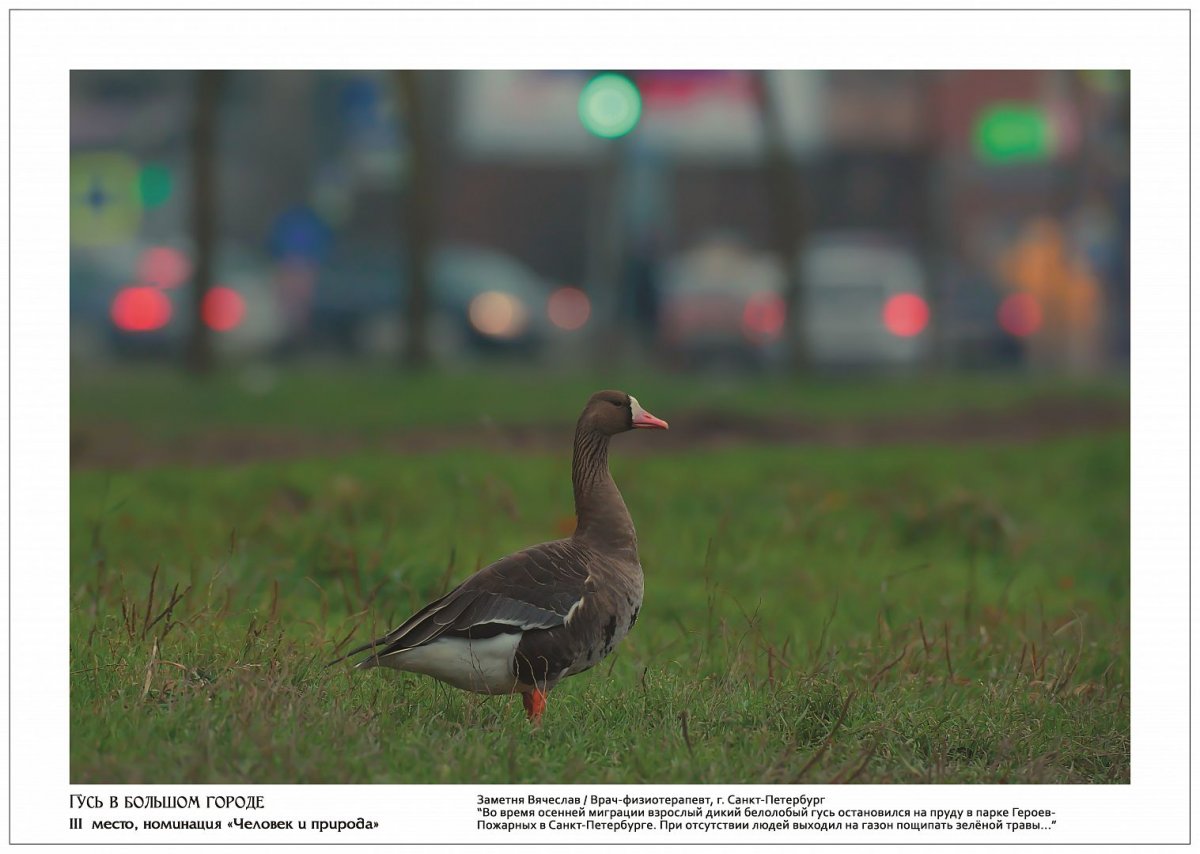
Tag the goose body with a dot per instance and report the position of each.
(535, 617)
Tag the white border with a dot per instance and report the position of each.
(45, 45)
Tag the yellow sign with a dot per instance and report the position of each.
(106, 202)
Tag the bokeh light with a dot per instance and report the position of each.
(154, 184)
(610, 105)
(763, 316)
(1012, 133)
(905, 315)
(497, 314)
(163, 267)
(1020, 314)
(569, 308)
(140, 309)
(223, 309)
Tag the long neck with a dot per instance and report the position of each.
(601, 515)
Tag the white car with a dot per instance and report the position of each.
(864, 303)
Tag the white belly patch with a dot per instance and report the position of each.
(480, 665)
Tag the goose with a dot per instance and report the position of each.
(535, 617)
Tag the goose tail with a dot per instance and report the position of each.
(369, 661)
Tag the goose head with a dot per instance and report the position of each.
(610, 412)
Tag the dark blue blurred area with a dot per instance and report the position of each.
(299, 234)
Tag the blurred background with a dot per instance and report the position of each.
(732, 221)
(331, 331)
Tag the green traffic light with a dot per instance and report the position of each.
(610, 105)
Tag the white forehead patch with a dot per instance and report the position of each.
(635, 407)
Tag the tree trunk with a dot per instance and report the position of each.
(787, 221)
(199, 352)
(606, 253)
(417, 215)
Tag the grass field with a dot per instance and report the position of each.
(160, 404)
(896, 613)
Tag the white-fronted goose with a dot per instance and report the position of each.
(547, 612)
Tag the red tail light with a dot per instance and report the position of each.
(223, 309)
(905, 315)
(1020, 314)
(140, 309)
(763, 316)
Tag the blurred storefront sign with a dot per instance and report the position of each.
(1006, 118)
(1009, 132)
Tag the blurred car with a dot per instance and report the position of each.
(479, 299)
(720, 302)
(864, 303)
(133, 300)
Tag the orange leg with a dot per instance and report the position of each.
(535, 704)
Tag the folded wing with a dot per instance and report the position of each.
(532, 589)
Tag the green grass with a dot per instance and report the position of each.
(877, 615)
(370, 401)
